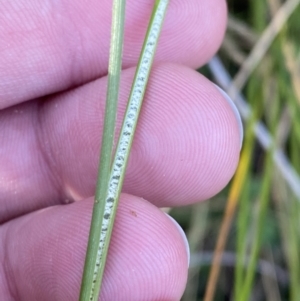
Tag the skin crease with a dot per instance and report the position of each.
(52, 91)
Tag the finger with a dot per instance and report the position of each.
(50, 46)
(185, 150)
(43, 254)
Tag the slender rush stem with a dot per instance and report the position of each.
(114, 71)
(122, 153)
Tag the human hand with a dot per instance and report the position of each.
(54, 57)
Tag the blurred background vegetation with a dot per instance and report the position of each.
(245, 242)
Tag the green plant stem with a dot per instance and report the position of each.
(122, 153)
(243, 223)
(114, 70)
(243, 215)
(257, 239)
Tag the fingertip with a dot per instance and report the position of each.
(152, 241)
(147, 259)
(236, 113)
(188, 141)
(183, 236)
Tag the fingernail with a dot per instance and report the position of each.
(236, 113)
(186, 243)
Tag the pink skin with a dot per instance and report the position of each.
(186, 147)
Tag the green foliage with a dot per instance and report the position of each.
(266, 227)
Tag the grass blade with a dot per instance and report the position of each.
(124, 145)
(114, 70)
(257, 239)
(261, 47)
(233, 198)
